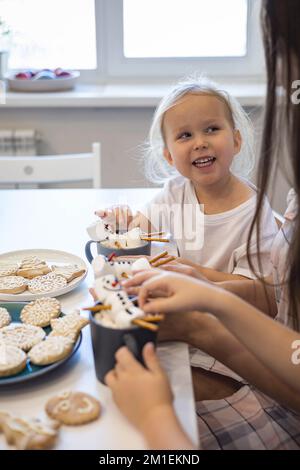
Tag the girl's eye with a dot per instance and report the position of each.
(211, 129)
(184, 135)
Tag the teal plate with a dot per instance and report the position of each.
(32, 371)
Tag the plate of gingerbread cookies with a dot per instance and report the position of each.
(35, 338)
(30, 274)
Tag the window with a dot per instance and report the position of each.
(50, 34)
(193, 28)
(119, 39)
(154, 38)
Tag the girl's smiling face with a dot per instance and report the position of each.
(200, 139)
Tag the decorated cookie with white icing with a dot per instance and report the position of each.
(12, 360)
(29, 433)
(73, 408)
(40, 312)
(21, 336)
(5, 317)
(52, 349)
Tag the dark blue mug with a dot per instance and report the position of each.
(144, 250)
(106, 342)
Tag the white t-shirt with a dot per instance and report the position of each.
(217, 241)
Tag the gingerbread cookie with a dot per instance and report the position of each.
(5, 317)
(12, 360)
(29, 433)
(41, 311)
(47, 283)
(51, 350)
(70, 335)
(70, 324)
(22, 336)
(73, 408)
(8, 269)
(12, 284)
(69, 271)
(32, 267)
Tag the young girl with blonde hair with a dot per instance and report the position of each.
(200, 140)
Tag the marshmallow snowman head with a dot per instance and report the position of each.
(121, 268)
(106, 285)
(98, 231)
(102, 267)
(133, 237)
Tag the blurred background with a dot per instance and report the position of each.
(128, 52)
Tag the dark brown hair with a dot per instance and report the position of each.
(281, 35)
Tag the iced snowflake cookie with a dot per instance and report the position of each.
(5, 318)
(47, 283)
(22, 336)
(41, 311)
(12, 284)
(8, 269)
(51, 350)
(73, 408)
(69, 271)
(32, 267)
(29, 433)
(12, 360)
(70, 324)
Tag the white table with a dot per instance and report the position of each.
(56, 219)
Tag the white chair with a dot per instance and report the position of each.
(52, 168)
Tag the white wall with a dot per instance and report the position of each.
(120, 131)
(63, 130)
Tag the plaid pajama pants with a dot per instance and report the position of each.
(247, 420)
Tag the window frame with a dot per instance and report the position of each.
(112, 66)
(117, 66)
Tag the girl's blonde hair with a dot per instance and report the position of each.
(157, 169)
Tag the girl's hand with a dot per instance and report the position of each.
(132, 286)
(119, 217)
(137, 391)
(182, 268)
(178, 293)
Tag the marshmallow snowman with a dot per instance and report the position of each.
(103, 267)
(99, 231)
(109, 292)
(133, 237)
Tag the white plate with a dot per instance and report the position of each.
(56, 84)
(51, 257)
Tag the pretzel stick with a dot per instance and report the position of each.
(150, 239)
(153, 234)
(156, 258)
(164, 261)
(153, 318)
(97, 308)
(144, 324)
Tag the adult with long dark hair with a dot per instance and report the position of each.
(239, 331)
